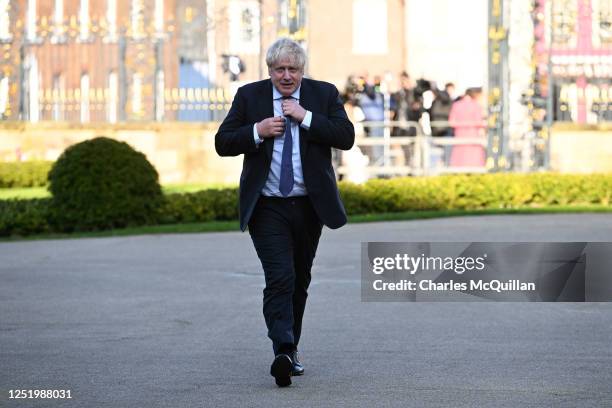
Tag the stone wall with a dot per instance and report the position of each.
(185, 152)
(181, 152)
(581, 149)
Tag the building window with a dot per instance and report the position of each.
(84, 20)
(137, 108)
(4, 95)
(159, 16)
(112, 100)
(111, 19)
(564, 19)
(31, 21)
(85, 97)
(58, 97)
(602, 23)
(159, 98)
(5, 20)
(33, 88)
(370, 27)
(137, 19)
(244, 26)
(292, 19)
(58, 21)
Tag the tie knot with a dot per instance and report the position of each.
(287, 97)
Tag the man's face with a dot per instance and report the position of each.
(406, 82)
(286, 76)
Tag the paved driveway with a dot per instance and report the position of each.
(175, 321)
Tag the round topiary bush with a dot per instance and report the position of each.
(103, 183)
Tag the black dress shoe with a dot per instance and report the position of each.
(281, 370)
(298, 368)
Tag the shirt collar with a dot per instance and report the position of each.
(277, 95)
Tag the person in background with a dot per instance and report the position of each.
(466, 119)
(440, 110)
(406, 105)
(351, 90)
(377, 83)
(372, 104)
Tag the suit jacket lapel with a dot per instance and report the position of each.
(266, 110)
(307, 102)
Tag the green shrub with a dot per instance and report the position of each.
(225, 203)
(206, 205)
(24, 174)
(354, 197)
(476, 191)
(180, 208)
(469, 192)
(23, 217)
(103, 183)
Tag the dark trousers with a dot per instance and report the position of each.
(285, 232)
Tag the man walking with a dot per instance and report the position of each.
(286, 126)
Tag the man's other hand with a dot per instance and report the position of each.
(292, 108)
(271, 127)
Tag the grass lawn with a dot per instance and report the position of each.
(24, 193)
(192, 188)
(219, 226)
(42, 192)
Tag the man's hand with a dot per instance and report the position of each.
(271, 127)
(292, 108)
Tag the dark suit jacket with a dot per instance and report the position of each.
(330, 127)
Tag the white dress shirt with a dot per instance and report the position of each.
(271, 187)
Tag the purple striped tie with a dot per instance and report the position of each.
(286, 174)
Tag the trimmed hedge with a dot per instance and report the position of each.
(24, 217)
(24, 174)
(469, 192)
(461, 192)
(202, 206)
(101, 184)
